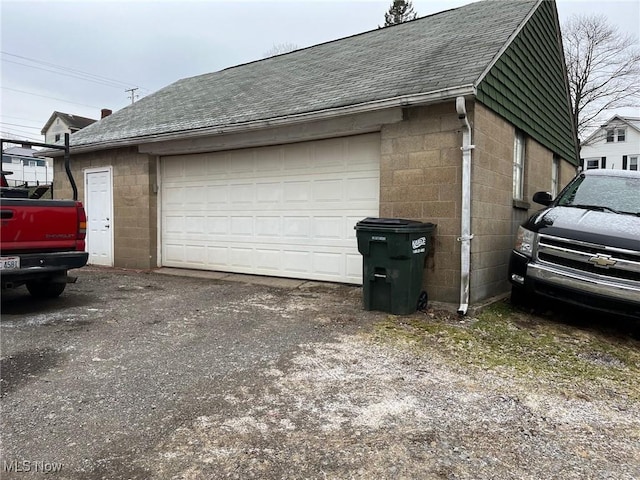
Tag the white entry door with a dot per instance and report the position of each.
(98, 204)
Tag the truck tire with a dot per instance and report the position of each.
(46, 289)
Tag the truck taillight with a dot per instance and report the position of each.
(82, 222)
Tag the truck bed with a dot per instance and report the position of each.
(40, 241)
(30, 226)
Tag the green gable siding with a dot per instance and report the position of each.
(527, 85)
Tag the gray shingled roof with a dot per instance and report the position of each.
(446, 50)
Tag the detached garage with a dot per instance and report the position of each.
(265, 168)
(285, 210)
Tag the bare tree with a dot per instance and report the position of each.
(603, 66)
(279, 49)
(400, 11)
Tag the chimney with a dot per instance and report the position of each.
(105, 112)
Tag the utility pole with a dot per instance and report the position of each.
(132, 94)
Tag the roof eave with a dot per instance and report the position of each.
(401, 101)
(49, 122)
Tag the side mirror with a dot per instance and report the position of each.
(543, 198)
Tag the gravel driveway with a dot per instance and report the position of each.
(141, 375)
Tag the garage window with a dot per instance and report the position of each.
(518, 166)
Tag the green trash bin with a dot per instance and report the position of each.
(394, 252)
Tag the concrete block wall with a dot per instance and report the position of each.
(539, 163)
(495, 218)
(420, 179)
(491, 203)
(135, 202)
(567, 172)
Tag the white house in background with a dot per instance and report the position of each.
(26, 167)
(60, 123)
(615, 145)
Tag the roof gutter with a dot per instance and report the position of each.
(401, 101)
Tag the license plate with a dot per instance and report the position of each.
(9, 263)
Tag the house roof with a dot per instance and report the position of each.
(431, 57)
(633, 122)
(74, 122)
(20, 151)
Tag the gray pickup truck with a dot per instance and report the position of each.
(584, 247)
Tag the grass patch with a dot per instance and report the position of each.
(529, 347)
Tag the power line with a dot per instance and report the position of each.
(16, 133)
(20, 118)
(17, 125)
(79, 77)
(17, 130)
(51, 98)
(74, 71)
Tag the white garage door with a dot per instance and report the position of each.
(286, 210)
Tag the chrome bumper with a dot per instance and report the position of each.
(616, 290)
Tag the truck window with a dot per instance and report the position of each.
(617, 193)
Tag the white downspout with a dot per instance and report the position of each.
(465, 220)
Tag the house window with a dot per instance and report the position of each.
(610, 135)
(57, 137)
(33, 163)
(633, 163)
(592, 163)
(622, 133)
(518, 166)
(555, 175)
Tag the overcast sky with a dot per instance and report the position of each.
(119, 45)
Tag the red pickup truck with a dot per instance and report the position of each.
(40, 240)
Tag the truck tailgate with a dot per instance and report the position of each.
(39, 225)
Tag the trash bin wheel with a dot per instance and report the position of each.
(422, 301)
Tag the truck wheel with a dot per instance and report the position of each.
(46, 289)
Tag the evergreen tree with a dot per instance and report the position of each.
(400, 11)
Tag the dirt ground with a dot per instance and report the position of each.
(138, 375)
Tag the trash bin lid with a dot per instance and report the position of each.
(398, 225)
